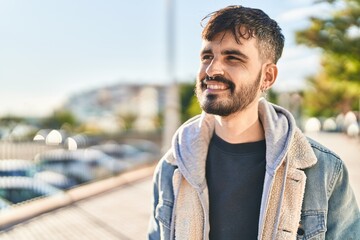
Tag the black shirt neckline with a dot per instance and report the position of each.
(238, 148)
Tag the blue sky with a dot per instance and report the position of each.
(50, 49)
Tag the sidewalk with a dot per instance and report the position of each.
(123, 212)
(120, 213)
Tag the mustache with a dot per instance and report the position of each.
(220, 79)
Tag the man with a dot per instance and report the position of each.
(242, 169)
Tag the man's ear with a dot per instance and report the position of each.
(270, 75)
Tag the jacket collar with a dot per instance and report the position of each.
(189, 148)
(283, 139)
(190, 143)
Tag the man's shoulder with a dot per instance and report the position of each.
(321, 150)
(328, 162)
(164, 167)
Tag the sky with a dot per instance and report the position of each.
(52, 49)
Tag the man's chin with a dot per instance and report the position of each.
(215, 111)
(211, 97)
(213, 107)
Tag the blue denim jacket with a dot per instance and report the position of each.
(328, 209)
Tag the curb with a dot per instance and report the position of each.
(31, 209)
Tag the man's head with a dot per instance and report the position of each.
(238, 59)
(245, 23)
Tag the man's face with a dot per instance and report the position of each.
(230, 75)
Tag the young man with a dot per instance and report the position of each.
(242, 169)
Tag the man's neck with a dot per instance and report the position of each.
(240, 127)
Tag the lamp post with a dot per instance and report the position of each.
(172, 106)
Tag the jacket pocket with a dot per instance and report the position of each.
(312, 225)
(163, 213)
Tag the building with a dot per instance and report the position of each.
(119, 107)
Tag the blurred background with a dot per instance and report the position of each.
(91, 90)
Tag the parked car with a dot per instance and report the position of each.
(4, 204)
(145, 146)
(81, 165)
(19, 189)
(128, 153)
(17, 167)
(55, 179)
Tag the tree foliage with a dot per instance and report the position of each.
(189, 104)
(59, 119)
(128, 121)
(7, 120)
(336, 87)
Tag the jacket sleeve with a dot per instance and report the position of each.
(343, 221)
(162, 202)
(154, 228)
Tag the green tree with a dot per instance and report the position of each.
(336, 87)
(189, 104)
(60, 118)
(10, 119)
(129, 120)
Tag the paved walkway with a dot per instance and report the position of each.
(123, 212)
(120, 214)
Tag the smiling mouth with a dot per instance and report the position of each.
(215, 85)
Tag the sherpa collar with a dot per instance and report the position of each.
(190, 143)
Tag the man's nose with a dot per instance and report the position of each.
(214, 68)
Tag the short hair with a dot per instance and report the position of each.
(256, 23)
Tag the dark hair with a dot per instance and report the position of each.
(245, 23)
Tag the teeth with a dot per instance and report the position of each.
(216, 87)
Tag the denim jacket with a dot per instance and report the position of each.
(306, 192)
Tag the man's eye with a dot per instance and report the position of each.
(232, 58)
(206, 57)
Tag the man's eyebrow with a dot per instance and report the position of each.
(206, 51)
(234, 52)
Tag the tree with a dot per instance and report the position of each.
(128, 121)
(189, 104)
(336, 88)
(59, 119)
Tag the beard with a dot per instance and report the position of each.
(234, 101)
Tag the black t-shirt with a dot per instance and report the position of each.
(235, 176)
